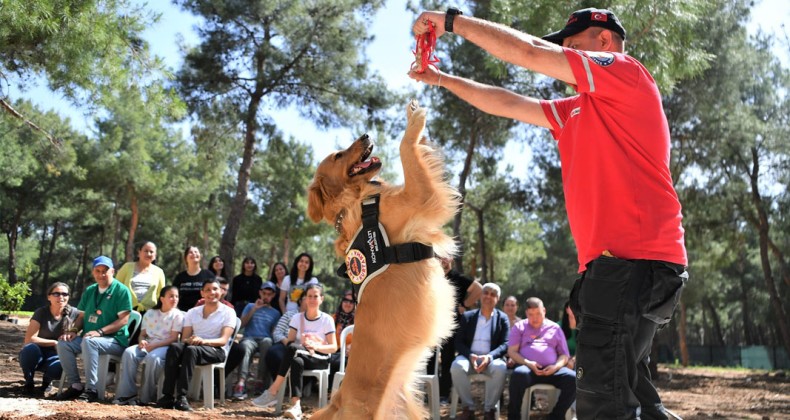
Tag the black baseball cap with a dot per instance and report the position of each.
(585, 18)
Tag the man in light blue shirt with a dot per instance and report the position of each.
(258, 320)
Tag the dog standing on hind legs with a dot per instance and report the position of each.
(407, 305)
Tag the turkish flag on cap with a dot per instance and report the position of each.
(600, 17)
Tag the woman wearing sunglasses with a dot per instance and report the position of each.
(47, 324)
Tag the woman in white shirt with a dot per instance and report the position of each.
(294, 284)
(312, 340)
(161, 326)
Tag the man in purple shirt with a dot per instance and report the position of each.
(540, 351)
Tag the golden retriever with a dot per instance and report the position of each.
(406, 310)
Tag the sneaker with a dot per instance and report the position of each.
(294, 412)
(264, 400)
(166, 402)
(182, 405)
(132, 400)
(70, 393)
(89, 395)
(238, 392)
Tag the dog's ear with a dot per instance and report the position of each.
(315, 201)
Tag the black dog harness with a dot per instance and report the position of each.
(370, 253)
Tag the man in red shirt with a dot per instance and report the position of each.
(624, 214)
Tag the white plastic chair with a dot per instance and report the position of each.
(432, 381)
(322, 375)
(554, 395)
(105, 359)
(205, 374)
(340, 374)
(454, 394)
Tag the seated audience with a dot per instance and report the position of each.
(224, 286)
(190, 281)
(245, 287)
(538, 347)
(160, 327)
(481, 343)
(205, 339)
(144, 279)
(258, 320)
(510, 307)
(344, 317)
(217, 267)
(294, 284)
(311, 340)
(276, 353)
(46, 325)
(277, 276)
(105, 307)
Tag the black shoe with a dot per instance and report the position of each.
(29, 390)
(89, 395)
(166, 402)
(69, 394)
(182, 405)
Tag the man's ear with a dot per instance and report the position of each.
(606, 40)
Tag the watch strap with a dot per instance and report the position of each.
(449, 18)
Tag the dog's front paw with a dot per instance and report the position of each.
(416, 119)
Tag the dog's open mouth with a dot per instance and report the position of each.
(366, 162)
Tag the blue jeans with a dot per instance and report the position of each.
(523, 378)
(34, 358)
(90, 348)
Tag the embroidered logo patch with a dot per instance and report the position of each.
(576, 111)
(579, 373)
(356, 266)
(601, 58)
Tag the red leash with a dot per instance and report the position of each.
(424, 52)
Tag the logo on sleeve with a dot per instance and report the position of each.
(602, 59)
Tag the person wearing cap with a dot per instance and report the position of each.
(258, 320)
(623, 211)
(105, 307)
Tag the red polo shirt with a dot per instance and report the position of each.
(613, 140)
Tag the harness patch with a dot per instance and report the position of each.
(356, 266)
(370, 253)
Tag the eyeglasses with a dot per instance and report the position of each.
(348, 300)
(59, 294)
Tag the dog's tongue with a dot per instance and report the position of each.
(362, 165)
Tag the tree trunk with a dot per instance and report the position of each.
(287, 249)
(780, 317)
(462, 177)
(48, 259)
(35, 280)
(13, 235)
(79, 277)
(684, 351)
(116, 231)
(239, 203)
(481, 245)
(718, 337)
(132, 224)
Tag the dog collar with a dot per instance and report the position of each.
(370, 253)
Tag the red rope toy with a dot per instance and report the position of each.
(424, 51)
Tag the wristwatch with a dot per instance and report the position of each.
(449, 17)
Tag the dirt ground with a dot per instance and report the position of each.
(689, 393)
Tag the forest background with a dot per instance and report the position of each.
(201, 151)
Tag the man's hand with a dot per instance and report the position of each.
(429, 18)
(259, 304)
(547, 371)
(195, 341)
(430, 76)
(481, 363)
(68, 336)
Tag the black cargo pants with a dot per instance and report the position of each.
(620, 304)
